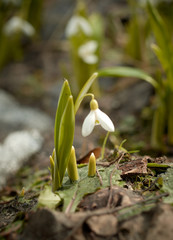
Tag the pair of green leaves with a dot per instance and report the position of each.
(64, 129)
(63, 134)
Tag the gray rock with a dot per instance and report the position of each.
(17, 148)
(16, 117)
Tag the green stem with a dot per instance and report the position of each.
(56, 180)
(158, 126)
(103, 146)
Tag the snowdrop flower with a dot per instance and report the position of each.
(76, 24)
(16, 24)
(87, 52)
(96, 117)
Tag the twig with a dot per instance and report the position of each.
(153, 183)
(100, 178)
(110, 188)
(111, 211)
(71, 203)
(107, 164)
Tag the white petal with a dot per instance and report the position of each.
(104, 120)
(90, 59)
(88, 124)
(72, 26)
(13, 25)
(18, 24)
(85, 26)
(28, 29)
(92, 46)
(89, 47)
(86, 52)
(77, 23)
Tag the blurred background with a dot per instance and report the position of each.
(37, 51)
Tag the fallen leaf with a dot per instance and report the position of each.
(85, 159)
(134, 167)
(48, 198)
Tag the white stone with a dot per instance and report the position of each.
(15, 150)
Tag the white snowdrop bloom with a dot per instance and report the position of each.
(87, 52)
(96, 117)
(76, 24)
(16, 24)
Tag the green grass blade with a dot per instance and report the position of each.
(84, 90)
(66, 135)
(64, 95)
(164, 41)
(158, 27)
(127, 72)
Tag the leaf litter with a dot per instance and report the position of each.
(127, 189)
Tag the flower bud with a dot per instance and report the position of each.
(72, 166)
(52, 164)
(92, 165)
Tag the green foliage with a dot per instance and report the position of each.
(63, 134)
(127, 72)
(164, 51)
(64, 130)
(136, 30)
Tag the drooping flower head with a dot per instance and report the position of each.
(96, 117)
(17, 24)
(87, 52)
(76, 24)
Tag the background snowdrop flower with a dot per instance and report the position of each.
(95, 117)
(16, 24)
(76, 24)
(87, 52)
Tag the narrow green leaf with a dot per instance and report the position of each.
(84, 90)
(127, 72)
(158, 27)
(64, 95)
(160, 55)
(164, 41)
(66, 134)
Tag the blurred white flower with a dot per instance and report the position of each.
(96, 117)
(87, 52)
(17, 24)
(76, 24)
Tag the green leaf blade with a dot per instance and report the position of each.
(127, 72)
(64, 95)
(66, 135)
